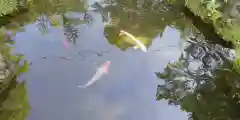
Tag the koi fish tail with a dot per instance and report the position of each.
(84, 86)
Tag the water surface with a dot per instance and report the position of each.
(128, 92)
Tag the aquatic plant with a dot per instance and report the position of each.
(13, 96)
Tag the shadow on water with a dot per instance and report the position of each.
(66, 41)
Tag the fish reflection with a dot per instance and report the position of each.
(102, 70)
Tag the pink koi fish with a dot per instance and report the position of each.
(65, 43)
(102, 70)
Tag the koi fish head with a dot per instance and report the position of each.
(105, 66)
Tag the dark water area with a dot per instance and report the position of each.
(162, 83)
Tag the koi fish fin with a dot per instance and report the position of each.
(135, 47)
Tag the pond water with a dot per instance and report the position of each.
(128, 91)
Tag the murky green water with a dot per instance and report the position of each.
(130, 89)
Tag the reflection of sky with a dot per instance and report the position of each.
(127, 93)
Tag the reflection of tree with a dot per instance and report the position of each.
(215, 98)
(88, 17)
(203, 82)
(35, 8)
(43, 23)
(50, 7)
(71, 32)
(99, 8)
(47, 8)
(143, 20)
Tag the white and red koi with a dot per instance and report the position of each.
(102, 70)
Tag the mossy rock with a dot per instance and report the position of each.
(225, 26)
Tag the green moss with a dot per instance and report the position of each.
(209, 12)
